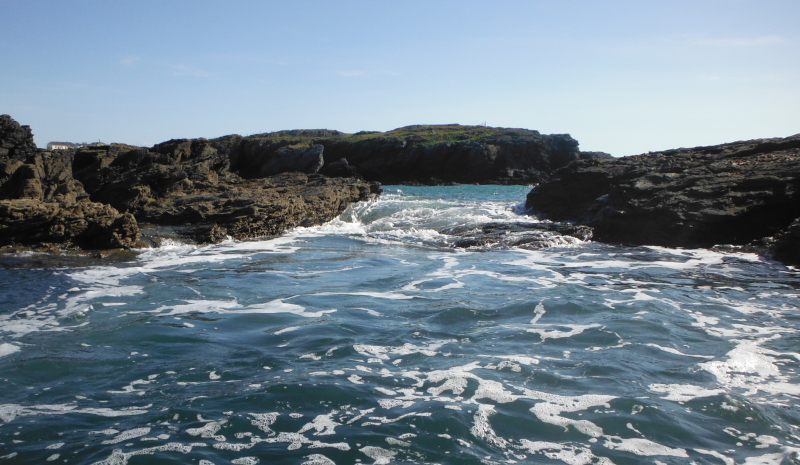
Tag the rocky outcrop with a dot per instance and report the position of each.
(16, 141)
(422, 154)
(43, 205)
(96, 197)
(733, 193)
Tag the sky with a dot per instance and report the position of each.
(621, 76)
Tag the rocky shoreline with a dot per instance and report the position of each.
(96, 198)
(744, 194)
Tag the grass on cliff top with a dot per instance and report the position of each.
(420, 134)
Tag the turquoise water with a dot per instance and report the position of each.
(371, 340)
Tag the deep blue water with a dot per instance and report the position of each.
(372, 340)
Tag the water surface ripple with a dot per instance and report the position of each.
(371, 340)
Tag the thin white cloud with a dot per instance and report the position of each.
(352, 73)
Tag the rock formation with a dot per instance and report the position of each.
(422, 154)
(187, 183)
(96, 197)
(42, 204)
(16, 141)
(733, 193)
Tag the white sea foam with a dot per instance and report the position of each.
(128, 435)
(118, 457)
(233, 307)
(566, 453)
(8, 349)
(318, 459)
(384, 352)
(643, 447)
(676, 351)
(8, 412)
(323, 425)
(725, 459)
(377, 295)
(545, 333)
(380, 455)
(684, 392)
(752, 368)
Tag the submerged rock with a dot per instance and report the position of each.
(727, 194)
(526, 235)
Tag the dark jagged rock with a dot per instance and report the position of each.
(16, 141)
(594, 155)
(787, 244)
(727, 194)
(483, 155)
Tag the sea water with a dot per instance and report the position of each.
(371, 339)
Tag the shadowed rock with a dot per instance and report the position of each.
(733, 193)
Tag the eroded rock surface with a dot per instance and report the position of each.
(420, 154)
(733, 193)
(42, 204)
(96, 197)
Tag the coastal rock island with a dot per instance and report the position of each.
(743, 193)
(419, 154)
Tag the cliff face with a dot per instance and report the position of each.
(733, 193)
(96, 197)
(425, 154)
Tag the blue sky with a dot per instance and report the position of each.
(624, 77)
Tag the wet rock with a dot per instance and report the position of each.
(524, 234)
(787, 244)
